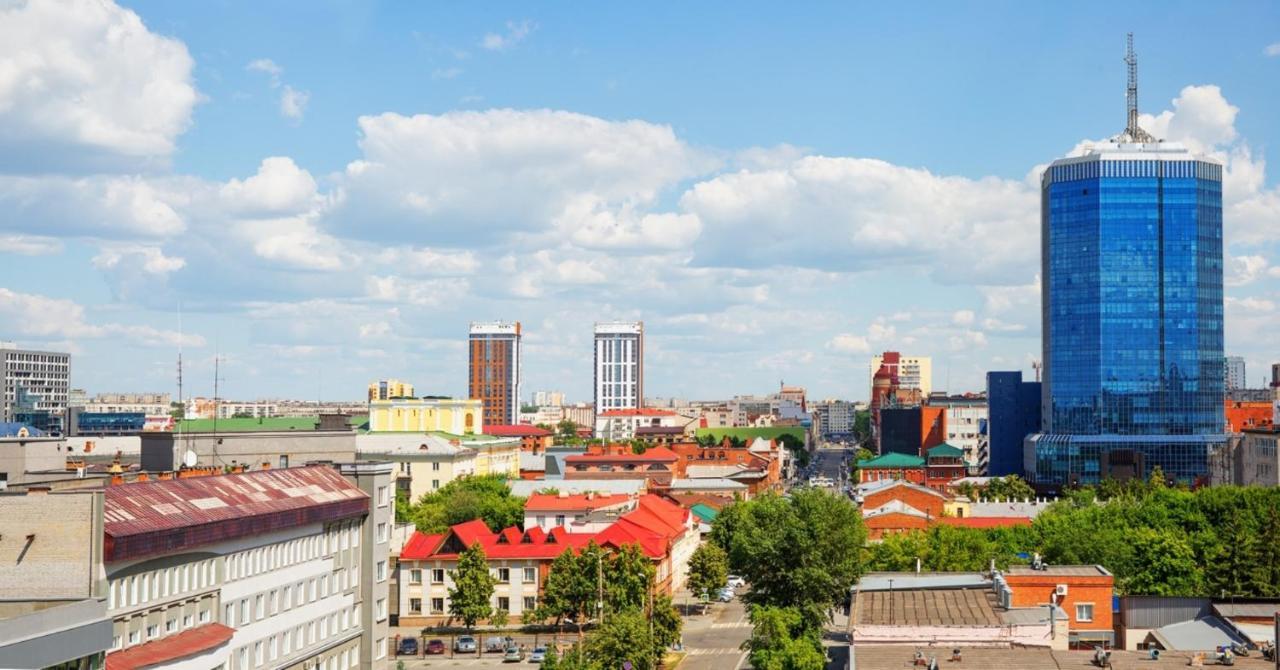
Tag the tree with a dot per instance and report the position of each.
(708, 569)
(472, 591)
(1006, 488)
(623, 637)
(628, 577)
(499, 618)
(803, 552)
(404, 512)
(781, 639)
(572, 586)
(566, 429)
(467, 498)
(666, 622)
(1164, 565)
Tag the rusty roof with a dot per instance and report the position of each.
(161, 516)
(926, 607)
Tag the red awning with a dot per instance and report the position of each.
(166, 649)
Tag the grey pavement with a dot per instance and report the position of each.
(713, 641)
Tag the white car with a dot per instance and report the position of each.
(735, 582)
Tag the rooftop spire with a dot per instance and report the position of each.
(1132, 132)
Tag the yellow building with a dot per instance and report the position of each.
(386, 389)
(426, 415)
(427, 462)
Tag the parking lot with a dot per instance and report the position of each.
(451, 659)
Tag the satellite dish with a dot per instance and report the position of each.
(190, 459)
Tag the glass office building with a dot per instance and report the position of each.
(1131, 236)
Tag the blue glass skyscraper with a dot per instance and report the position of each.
(1131, 255)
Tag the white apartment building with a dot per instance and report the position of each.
(618, 425)
(619, 365)
(282, 568)
(548, 398)
(966, 418)
(37, 377)
(834, 417)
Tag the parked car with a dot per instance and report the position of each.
(539, 654)
(464, 643)
(514, 654)
(435, 647)
(725, 595)
(735, 582)
(408, 647)
(497, 644)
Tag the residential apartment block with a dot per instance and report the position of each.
(619, 365)
(35, 387)
(494, 370)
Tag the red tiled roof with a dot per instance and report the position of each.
(552, 502)
(161, 516)
(642, 411)
(985, 521)
(656, 454)
(171, 648)
(420, 545)
(521, 430)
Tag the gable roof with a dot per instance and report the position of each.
(872, 488)
(894, 507)
(892, 460)
(164, 516)
(945, 450)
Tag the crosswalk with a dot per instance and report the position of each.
(731, 624)
(714, 652)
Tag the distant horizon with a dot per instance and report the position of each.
(325, 196)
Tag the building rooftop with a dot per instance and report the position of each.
(656, 454)
(897, 657)
(251, 425)
(985, 521)
(706, 484)
(1060, 570)
(880, 581)
(556, 502)
(170, 648)
(1204, 634)
(523, 488)
(639, 411)
(945, 451)
(892, 460)
(519, 430)
(167, 516)
(928, 607)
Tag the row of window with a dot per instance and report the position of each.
(269, 603)
(295, 640)
(173, 624)
(503, 603)
(252, 562)
(160, 584)
(503, 575)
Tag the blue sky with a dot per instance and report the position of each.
(333, 190)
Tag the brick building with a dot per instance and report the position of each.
(1084, 592)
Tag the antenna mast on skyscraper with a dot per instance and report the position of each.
(1132, 132)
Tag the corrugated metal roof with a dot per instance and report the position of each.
(1200, 635)
(165, 515)
(879, 581)
(1263, 610)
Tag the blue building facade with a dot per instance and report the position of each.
(1013, 413)
(1131, 237)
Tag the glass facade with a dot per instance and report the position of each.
(1132, 314)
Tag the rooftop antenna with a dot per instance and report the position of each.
(1132, 132)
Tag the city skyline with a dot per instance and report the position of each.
(313, 261)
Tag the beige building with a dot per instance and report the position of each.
(427, 415)
(914, 372)
(386, 389)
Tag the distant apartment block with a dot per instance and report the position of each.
(966, 423)
(35, 386)
(911, 372)
(494, 370)
(386, 389)
(834, 418)
(1234, 373)
(548, 399)
(619, 365)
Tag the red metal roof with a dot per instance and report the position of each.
(642, 411)
(162, 516)
(545, 502)
(521, 430)
(171, 648)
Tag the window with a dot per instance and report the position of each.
(284, 461)
(244, 612)
(559, 519)
(244, 658)
(285, 638)
(415, 605)
(504, 575)
(504, 603)
(257, 653)
(382, 532)
(286, 600)
(380, 609)
(187, 621)
(273, 648)
(415, 576)
(437, 605)
(382, 570)
(380, 648)
(259, 606)
(435, 483)
(273, 602)
(435, 466)
(437, 576)
(153, 631)
(204, 616)
(115, 642)
(1084, 612)
(530, 604)
(135, 637)
(383, 498)
(229, 615)
(530, 575)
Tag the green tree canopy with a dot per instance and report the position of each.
(621, 638)
(572, 586)
(472, 591)
(628, 577)
(466, 498)
(781, 639)
(803, 551)
(708, 569)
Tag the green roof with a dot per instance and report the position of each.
(274, 423)
(945, 450)
(892, 460)
(767, 432)
(704, 512)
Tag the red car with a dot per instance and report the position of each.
(435, 647)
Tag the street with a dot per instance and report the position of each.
(713, 641)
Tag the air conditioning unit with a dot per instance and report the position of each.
(1060, 590)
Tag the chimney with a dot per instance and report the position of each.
(142, 477)
(117, 480)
